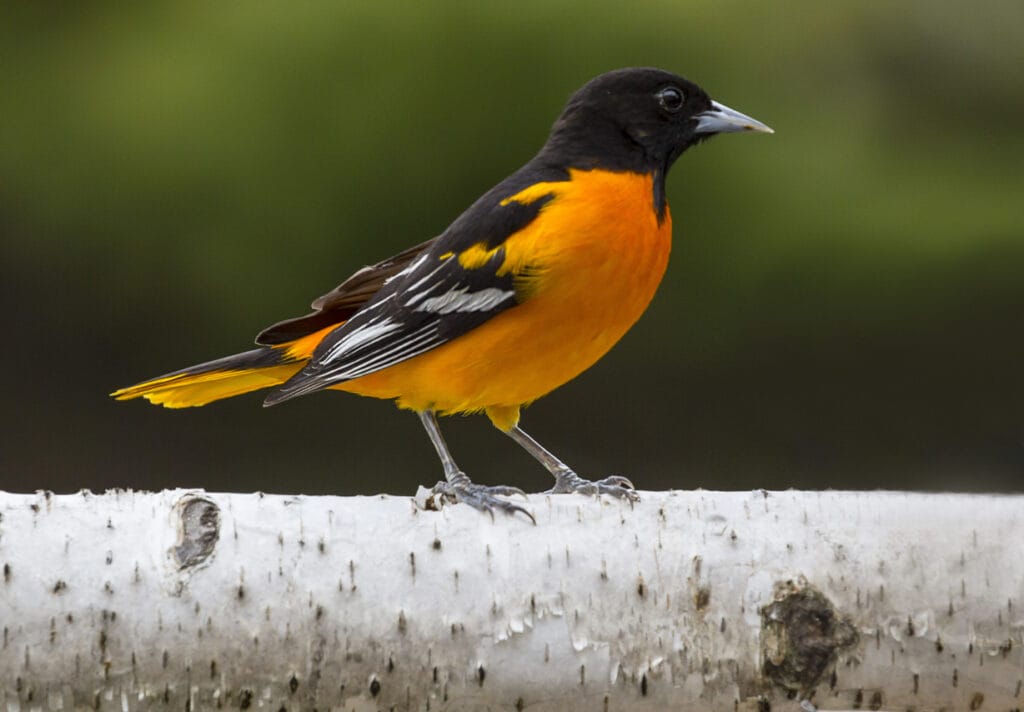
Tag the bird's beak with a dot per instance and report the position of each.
(721, 119)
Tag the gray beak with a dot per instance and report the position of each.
(721, 119)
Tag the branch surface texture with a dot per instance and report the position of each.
(738, 601)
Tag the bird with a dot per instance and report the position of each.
(522, 292)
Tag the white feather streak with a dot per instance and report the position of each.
(365, 334)
(463, 300)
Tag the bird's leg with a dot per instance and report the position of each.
(457, 486)
(566, 480)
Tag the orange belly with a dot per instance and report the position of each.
(601, 253)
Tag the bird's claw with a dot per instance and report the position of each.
(570, 483)
(483, 497)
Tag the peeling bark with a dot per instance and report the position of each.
(687, 600)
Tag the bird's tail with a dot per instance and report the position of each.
(226, 377)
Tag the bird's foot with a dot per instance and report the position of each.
(569, 482)
(459, 488)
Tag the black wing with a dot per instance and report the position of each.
(343, 301)
(439, 296)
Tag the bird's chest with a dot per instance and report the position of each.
(599, 254)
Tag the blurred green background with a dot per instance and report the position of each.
(844, 307)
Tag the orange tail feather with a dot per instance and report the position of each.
(214, 380)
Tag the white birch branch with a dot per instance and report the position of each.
(687, 600)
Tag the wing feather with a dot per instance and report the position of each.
(432, 299)
(344, 300)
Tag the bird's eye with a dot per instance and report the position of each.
(670, 98)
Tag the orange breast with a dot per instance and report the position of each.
(601, 254)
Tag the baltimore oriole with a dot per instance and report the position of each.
(528, 288)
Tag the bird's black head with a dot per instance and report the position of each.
(638, 119)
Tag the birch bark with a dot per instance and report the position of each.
(687, 600)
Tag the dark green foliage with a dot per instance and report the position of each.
(844, 306)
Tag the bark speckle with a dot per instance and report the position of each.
(702, 597)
